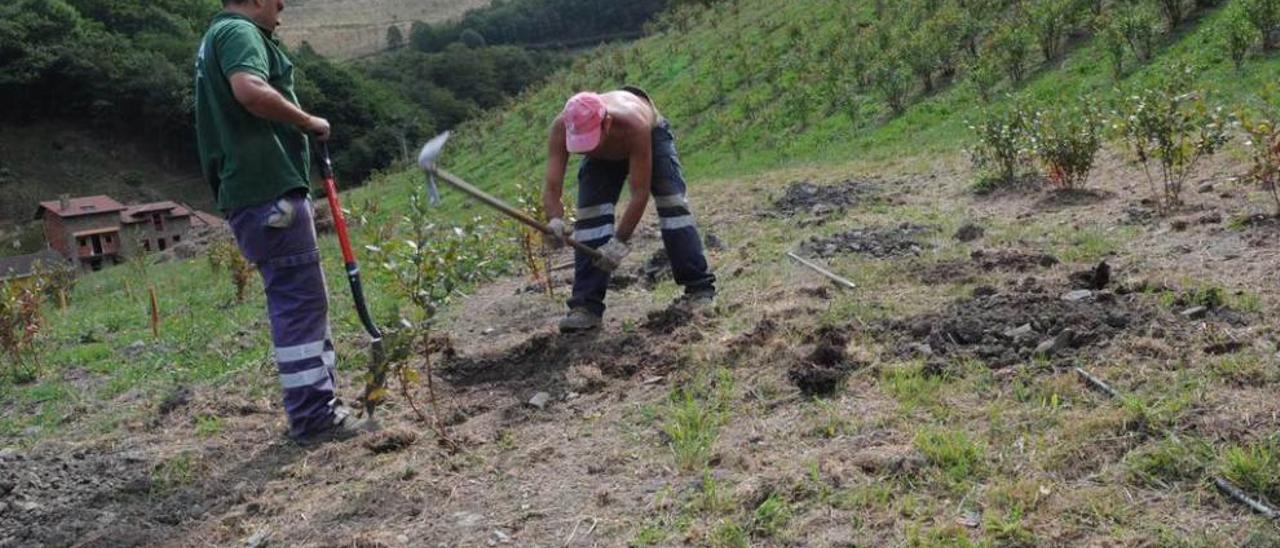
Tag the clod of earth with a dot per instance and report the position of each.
(880, 243)
(969, 232)
(667, 320)
(656, 269)
(173, 400)
(825, 364)
(820, 200)
(1096, 278)
(389, 441)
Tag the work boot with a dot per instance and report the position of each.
(579, 320)
(703, 301)
(344, 427)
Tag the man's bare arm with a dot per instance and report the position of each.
(557, 162)
(641, 159)
(263, 101)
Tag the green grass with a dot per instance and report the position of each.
(953, 451)
(1254, 467)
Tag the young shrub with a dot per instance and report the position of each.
(1065, 141)
(1265, 17)
(1012, 46)
(1169, 131)
(983, 75)
(1238, 35)
(1140, 27)
(891, 81)
(1114, 43)
(1000, 149)
(533, 253)
(21, 323)
(1263, 145)
(224, 255)
(58, 279)
(1174, 12)
(426, 266)
(1050, 21)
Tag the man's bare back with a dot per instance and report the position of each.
(633, 118)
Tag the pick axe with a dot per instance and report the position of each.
(427, 160)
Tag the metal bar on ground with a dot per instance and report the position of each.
(820, 270)
(1243, 498)
(1097, 383)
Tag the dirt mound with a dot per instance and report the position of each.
(984, 260)
(825, 364)
(667, 320)
(809, 197)
(57, 499)
(880, 243)
(1003, 328)
(543, 360)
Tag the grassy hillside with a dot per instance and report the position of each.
(948, 430)
(344, 29)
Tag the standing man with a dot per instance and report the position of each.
(621, 133)
(252, 138)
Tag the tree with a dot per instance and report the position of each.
(395, 38)
(1265, 16)
(471, 39)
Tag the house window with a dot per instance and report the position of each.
(177, 238)
(158, 221)
(82, 242)
(162, 246)
(108, 239)
(146, 245)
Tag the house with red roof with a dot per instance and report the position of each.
(97, 231)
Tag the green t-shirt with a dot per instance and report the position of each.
(246, 159)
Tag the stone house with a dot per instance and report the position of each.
(97, 231)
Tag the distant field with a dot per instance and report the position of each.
(351, 28)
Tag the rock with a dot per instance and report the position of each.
(888, 460)
(1057, 344)
(32, 431)
(540, 400)
(6, 487)
(1079, 295)
(4, 508)
(1213, 218)
(9, 454)
(258, 540)
(1179, 224)
(1205, 188)
(467, 519)
(1195, 312)
(501, 537)
(969, 232)
(712, 242)
(26, 506)
(1022, 330)
(969, 519)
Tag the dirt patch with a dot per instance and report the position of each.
(821, 200)
(655, 270)
(542, 361)
(1006, 327)
(881, 243)
(969, 232)
(985, 261)
(825, 364)
(1075, 197)
(667, 320)
(389, 441)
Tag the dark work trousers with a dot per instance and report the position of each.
(297, 303)
(600, 185)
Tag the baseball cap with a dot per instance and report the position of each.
(583, 116)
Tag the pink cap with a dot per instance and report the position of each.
(583, 117)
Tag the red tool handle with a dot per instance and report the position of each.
(335, 206)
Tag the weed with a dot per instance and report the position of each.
(910, 386)
(1173, 459)
(1255, 467)
(952, 451)
(728, 534)
(224, 255)
(175, 472)
(649, 535)
(692, 426)
(827, 420)
(208, 426)
(771, 517)
(1245, 369)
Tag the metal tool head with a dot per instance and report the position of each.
(431, 151)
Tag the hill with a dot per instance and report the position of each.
(343, 29)
(952, 398)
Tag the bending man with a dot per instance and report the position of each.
(621, 133)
